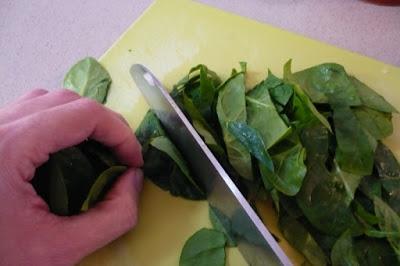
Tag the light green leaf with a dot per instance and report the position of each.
(262, 115)
(89, 79)
(231, 106)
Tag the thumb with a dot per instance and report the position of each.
(115, 215)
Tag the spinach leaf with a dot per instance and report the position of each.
(371, 99)
(377, 123)
(74, 175)
(355, 151)
(231, 107)
(388, 170)
(163, 163)
(245, 230)
(58, 194)
(290, 183)
(163, 144)
(304, 111)
(204, 248)
(102, 184)
(327, 83)
(262, 115)
(302, 240)
(280, 92)
(343, 252)
(149, 128)
(389, 221)
(290, 164)
(324, 200)
(374, 252)
(222, 223)
(202, 126)
(89, 79)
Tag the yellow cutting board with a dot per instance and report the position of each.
(169, 38)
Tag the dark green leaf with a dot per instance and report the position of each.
(89, 79)
(288, 184)
(204, 248)
(289, 165)
(372, 99)
(58, 194)
(302, 240)
(149, 128)
(262, 115)
(377, 123)
(231, 107)
(242, 227)
(202, 126)
(343, 252)
(165, 145)
(324, 200)
(101, 186)
(355, 152)
(282, 94)
(389, 176)
(252, 141)
(222, 223)
(389, 221)
(327, 83)
(70, 172)
(374, 252)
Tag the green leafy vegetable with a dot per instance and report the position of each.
(289, 184)
(355, 152)
(371, 99)
(231, 107)
(374, 252)
(389, 221)
(263, 116)
(302, 240)
(310, 143)
(204, 248)
(165, 145)
(101, 185)
(343, 252)
(327, 83)
(71, 177)
(377, 124)
(222, 223)
(89, 79)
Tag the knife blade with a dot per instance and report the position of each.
(255, 242)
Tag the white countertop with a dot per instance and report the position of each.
(41, 39)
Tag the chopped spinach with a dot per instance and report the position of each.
(206, 247)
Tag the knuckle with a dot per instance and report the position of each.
(37, 92)
(90, 105)
(65, 93)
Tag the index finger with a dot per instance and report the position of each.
(53, 129)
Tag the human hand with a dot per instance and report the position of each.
(36, 125)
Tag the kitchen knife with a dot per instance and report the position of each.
(255, 242)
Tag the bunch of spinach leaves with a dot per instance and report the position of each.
(76, 178)
(311, 142)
